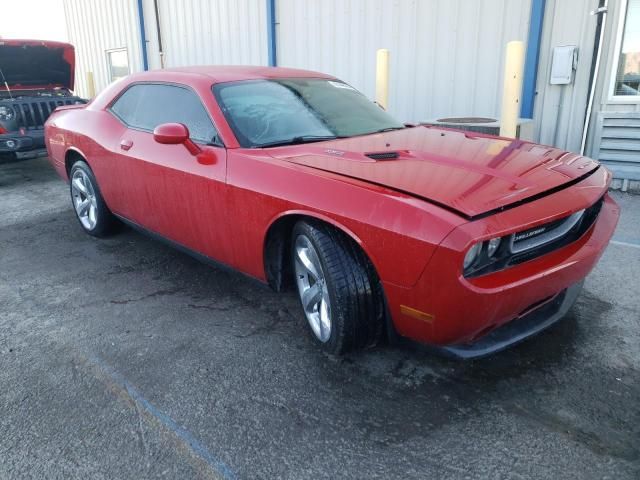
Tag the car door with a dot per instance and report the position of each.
(165, 188)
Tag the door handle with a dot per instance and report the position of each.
(126, 144)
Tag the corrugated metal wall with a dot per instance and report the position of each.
(615, 124)
(200, 32)
(446, 55)
(193, 32)
(560, 109)
(97, 26)
(618, 143)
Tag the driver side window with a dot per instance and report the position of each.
(145, 106)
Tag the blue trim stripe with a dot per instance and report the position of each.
(271, 33)
(143, 37)
(532, 57)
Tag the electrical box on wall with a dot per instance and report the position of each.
(563, 63)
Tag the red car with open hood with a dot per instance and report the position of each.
(463, 241)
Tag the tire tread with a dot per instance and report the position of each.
(357, 306)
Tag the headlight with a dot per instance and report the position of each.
(485, 256)
(472, 255)
(492, 246)
(6, 113)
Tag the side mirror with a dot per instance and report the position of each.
(174, 134)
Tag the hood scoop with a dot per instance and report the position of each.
(382, 155)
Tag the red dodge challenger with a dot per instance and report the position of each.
(464, 241)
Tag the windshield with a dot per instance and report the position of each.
(298, 110)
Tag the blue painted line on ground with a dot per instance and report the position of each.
(195, 445)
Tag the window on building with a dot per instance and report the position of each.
(118, 62)
(627, 80)
(145, 106)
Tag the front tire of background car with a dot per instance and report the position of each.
(339, 290)
(91, 211)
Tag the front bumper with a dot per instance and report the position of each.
(472, 317)
(16, 142)
(519, 329)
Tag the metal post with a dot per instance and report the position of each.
(91, 85)
(512, 89)
(382, 78)
(271, 33)
(602, 24)
(143, 37)
(532, 58)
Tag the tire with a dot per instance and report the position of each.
(8, 157)
(339, 286)
(92, 212)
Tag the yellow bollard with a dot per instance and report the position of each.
(512, 89)
(91, 85)
(382, 77)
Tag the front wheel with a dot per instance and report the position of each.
(91, 210)
(338, 288)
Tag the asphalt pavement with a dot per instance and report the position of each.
(122, 358)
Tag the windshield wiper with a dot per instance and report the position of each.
(298, 140)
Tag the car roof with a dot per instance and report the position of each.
(225, 73)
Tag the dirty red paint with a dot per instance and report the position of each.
(414, 216)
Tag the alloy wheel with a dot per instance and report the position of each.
(312, 288)
(84, 199)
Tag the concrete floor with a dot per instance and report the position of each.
(121, 358)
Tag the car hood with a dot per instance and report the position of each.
(467, 173)
(39, 64)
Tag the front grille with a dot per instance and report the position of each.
(543, 234)
(571, 229)
(33, 114)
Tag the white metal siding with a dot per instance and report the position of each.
(560, 109)
(446, 55)
(618, 143)
(615, 124)
(205, 32)
(193, 32)
(96, 26)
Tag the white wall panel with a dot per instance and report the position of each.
(560, 109)
(194, 32)
(208, 32)
(95, 26)
(446, 55)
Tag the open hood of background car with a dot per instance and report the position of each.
(29, 64)
(469, 174)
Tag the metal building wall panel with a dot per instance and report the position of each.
(446, 55)
(194, 32)
(559, 110)
(95, 27)
(618, 143)
(614, 134)
(205, 32)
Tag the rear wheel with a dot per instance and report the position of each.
(91, 211)
(338, 288)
